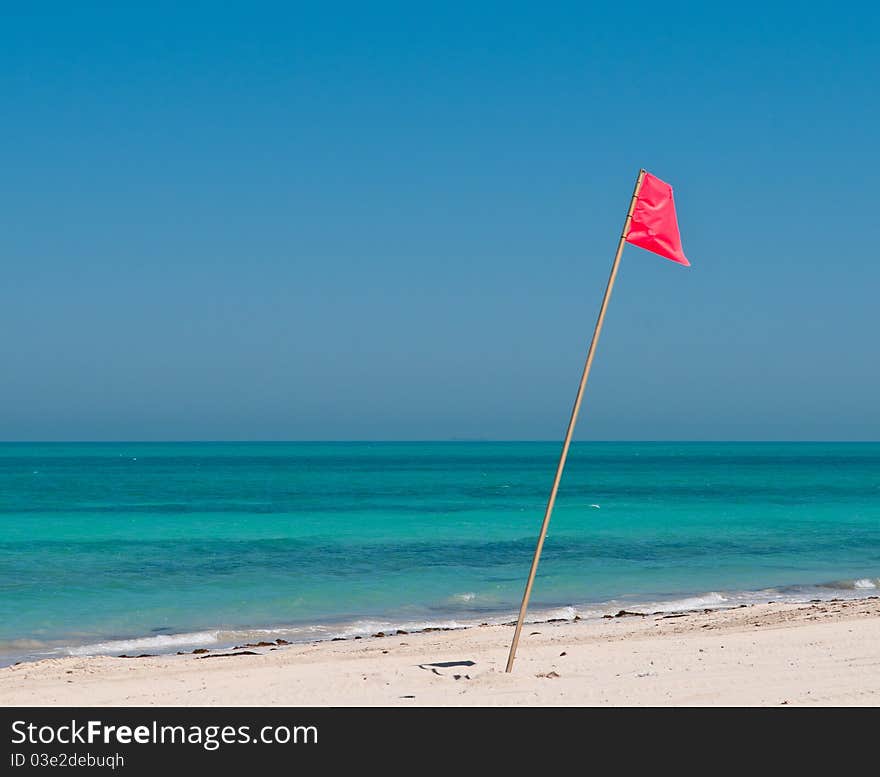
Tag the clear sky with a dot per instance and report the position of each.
(379, 221)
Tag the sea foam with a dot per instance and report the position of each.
(711, 599)
(162, 643)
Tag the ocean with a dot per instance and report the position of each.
(111, 548)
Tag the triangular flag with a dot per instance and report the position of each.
(654, 226)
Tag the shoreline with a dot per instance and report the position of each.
(819, 652)
(366, 626)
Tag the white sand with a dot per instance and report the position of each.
(796, 654)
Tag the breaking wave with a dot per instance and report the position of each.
(163, 643)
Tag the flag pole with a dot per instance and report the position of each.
(572, 421)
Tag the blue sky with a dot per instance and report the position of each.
(295, 221)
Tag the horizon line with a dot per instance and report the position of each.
(415, 441)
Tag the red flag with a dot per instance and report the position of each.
(654, 226)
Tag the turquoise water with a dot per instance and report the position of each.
(148, 547)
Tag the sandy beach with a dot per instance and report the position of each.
(819, 653)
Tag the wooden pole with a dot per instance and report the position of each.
(572, 421)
